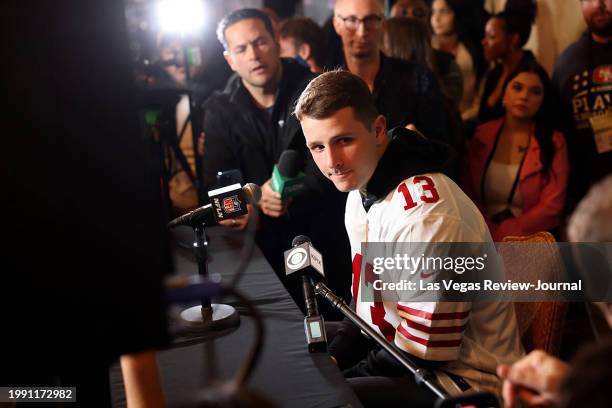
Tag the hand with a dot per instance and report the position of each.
(239, 223)
(271, 202)
(201, 140)
(535, 379)
(334, 360)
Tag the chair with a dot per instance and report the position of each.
(540, 323)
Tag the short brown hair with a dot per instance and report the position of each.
(335, 90)
(304, 30)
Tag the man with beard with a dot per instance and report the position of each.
(583, 78)
(404, 92)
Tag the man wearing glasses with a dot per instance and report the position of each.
(405, 93)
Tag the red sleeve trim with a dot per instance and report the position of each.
(435, 330)
(433, 316)
(428, 343)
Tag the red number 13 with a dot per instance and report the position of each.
(427, 185)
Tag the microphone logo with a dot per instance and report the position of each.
(297, 258)
(231, 204)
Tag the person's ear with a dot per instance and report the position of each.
(304, 51)
(229, 59)
(515, 41)
(380, 129)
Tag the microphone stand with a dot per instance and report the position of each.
(421, 375)
(208, 316)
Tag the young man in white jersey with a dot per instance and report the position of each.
(398, 194)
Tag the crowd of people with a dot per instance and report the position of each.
(487, 125)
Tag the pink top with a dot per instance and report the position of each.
(543, 199)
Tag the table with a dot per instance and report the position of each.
(286, 372)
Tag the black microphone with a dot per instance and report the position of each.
(225, 203)
(305, 260)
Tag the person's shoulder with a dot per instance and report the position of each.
(575, 53)
(431, 205)
(489, 128)
(444, 60)
(217, 104)
(576, 48)
(295, 72)
(295, 77)
(401, 66)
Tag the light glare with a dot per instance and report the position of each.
(180, 16)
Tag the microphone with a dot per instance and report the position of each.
(225, 203)
(305, 260)
(287, 178)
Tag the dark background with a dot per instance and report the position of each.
(80, 193)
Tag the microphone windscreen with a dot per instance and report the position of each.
(253, 192)
(299, 240)
(290, 163)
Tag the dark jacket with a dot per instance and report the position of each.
(409, 93)
(241, 136)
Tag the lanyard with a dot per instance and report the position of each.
(518, 172)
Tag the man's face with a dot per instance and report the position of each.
(359, 24)
(252, 52)
(288, 48)
(344, 149)
(598, 16)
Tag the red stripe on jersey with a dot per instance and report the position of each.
(433, 316)
(435, 330)
(356, 275)
(428, 343)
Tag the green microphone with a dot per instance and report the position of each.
(287, 178)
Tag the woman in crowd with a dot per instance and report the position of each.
(517, 165)
(447, 19)
(408, 38)
(505, 35)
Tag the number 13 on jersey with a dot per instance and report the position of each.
(430, 194)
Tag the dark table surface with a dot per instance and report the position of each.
(285, 372)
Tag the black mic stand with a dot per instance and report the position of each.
(208, 316)
(422, 376)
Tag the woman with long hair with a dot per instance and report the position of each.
(517, 165)
(506, 34)
(409, 39)
(448, 20)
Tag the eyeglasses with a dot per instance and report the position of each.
(371, 22)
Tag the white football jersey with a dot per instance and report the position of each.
(473, 337)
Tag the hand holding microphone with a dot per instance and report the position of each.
(287, 181)
(272, 203)
(226, 204)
